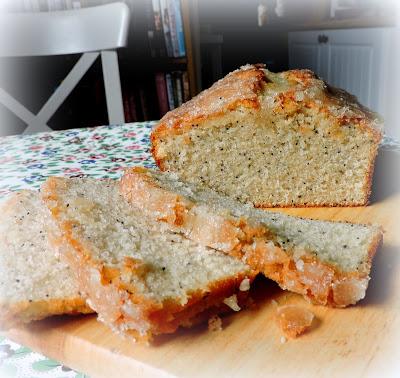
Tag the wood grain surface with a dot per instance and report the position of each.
(357, 341)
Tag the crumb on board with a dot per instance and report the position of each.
(215, 323)
(294, 320)
(232, 302)
(245, 285)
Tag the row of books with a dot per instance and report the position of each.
(165, 28)
(172, 90)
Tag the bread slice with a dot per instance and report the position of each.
(141, 279)
(272, 139)
(34, 282)
(327, 262)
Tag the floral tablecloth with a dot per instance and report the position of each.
(26, 161)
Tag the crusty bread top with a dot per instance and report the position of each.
(30, 267)
(254, 87)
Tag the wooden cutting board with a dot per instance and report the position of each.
(358, 341)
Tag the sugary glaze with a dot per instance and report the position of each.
(320, 282)
(121, 290)
(254, 87)
(239, 88)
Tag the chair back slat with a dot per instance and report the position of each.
(64, 32)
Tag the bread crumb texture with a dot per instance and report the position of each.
(34, 281)
(273, 139)
(328, 262)
(140, 277)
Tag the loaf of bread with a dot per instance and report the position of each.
(141, 278)
(34, 282)
(327, 262)
(272, 139)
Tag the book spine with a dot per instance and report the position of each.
(144, 105)
(170, 91)
(149, 17)
(166, 28)
(179, 89)
(162, 94)
(172, 27)
(175, 89)
(152, 43)
(158, 30)
(133, 107)
(179, 28)
(186, 86)
(127, 113)
(157, 15)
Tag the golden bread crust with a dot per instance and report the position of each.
(244, 88)
(239, 88)
(251, 242)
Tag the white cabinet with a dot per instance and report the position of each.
(358, 60)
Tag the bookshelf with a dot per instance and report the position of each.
(160, 62)
(192, 40)
(153, 79)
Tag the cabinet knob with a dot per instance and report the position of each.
(322, 38)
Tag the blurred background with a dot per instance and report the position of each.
(175, 52)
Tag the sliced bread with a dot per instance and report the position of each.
(328, 262)
(272, 139)
(141, 278)
(34, 282)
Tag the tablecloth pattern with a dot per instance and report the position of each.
(26, 161)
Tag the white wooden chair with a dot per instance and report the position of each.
(91, 31)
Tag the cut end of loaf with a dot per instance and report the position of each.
(303, 144)
(34, 281)
(328, 262)
(141, 279)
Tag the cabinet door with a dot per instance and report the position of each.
(306, 50)
(352, 59)
(357, 62)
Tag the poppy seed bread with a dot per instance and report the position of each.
(141, 279)
(34, 282)
(327, 262)
(272, 139)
